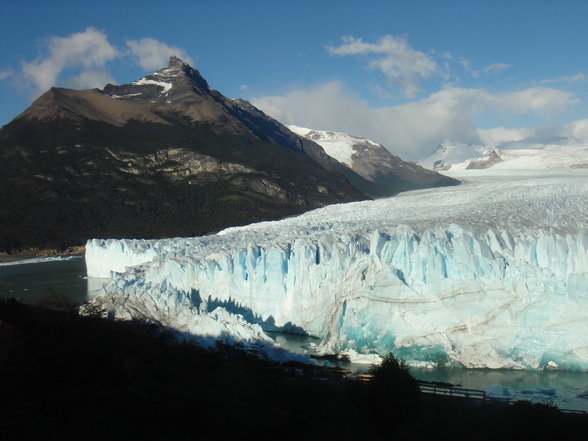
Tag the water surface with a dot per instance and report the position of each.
(32, 281)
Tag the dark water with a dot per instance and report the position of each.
(33, 282)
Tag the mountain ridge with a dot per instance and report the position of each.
(169, 159)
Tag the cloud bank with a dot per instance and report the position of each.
(573, 131)
(411, 130)
(414, 129)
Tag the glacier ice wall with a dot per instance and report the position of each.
(493, 273)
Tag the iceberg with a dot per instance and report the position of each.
(489, 274)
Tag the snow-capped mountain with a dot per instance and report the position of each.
(338, 145)
(372, 161)
(489, 274)
(555, 154)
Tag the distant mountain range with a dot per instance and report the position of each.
(163, 156)
(386, 173)
(556, 153)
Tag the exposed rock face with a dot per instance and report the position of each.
(440, 165)
(487, 161)
(163, 156)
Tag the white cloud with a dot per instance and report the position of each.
(411, 130)
(404, 66)
(395, 58)
(535, 98)
(574, 131)
(467, 65)
(89, 79)
(492, 69)
(152, 54)
(496, 68)
(87, 53)
(565, 79)
(87, 50)
(501, 135)
(6, 73)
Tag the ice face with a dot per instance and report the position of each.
(493, 273)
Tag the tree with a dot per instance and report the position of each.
(394, 391)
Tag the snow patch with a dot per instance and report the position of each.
(337, 145)
(126, 96)
(144, 81)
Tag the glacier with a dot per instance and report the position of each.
(489, 274)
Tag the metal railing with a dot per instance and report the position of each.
(475, 394)
(450, 391)
(436, 389)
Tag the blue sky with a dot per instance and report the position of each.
(406, 74)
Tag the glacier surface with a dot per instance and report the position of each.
(489, 274)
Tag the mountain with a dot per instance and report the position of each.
(559, 153)
(163, 156)
(385, 173)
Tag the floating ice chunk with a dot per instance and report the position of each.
(355, 357)
(498, 391)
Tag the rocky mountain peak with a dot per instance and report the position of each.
(177, 62)
(178, 69)
(176, 79)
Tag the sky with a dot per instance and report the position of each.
(407, 74)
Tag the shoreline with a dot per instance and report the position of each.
(42, 252)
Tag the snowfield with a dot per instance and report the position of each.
(561, 154)
(489, 274)
(338, 145)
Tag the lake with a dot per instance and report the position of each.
(41, 279)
